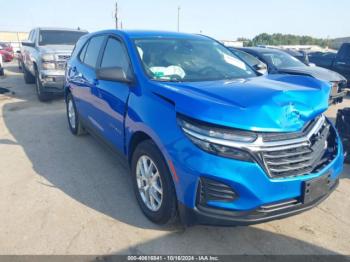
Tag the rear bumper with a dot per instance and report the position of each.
(220, 217)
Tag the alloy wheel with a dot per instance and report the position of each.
(71, 113)
(149, 183)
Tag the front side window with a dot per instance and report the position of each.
(59, 37)
(189, 60)
(115, 56)
(93, 50)
(282, 60)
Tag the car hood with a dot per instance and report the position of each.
(273, 103)
(314, 71)
(57, 48)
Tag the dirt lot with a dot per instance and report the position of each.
(61, 194)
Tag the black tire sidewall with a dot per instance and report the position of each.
(73, 130)
(38, 85)
(167, 211)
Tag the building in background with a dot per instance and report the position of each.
(336, 43)
(13, 38)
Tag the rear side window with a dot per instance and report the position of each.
(92, 51)
(115, 55)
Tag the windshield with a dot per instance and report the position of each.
(189, 60)
(59, 37)
(281, 60)
(251, 60)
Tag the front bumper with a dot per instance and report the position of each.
(220, 217)
(53, 80)
(254, 188)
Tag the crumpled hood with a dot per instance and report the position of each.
(273, 103)
(314, 71)
(56, 49)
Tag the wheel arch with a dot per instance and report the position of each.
(136, 139)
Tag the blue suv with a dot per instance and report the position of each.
(207, 139)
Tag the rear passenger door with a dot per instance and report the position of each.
(113, 96)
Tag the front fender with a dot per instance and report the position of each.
(155, 117)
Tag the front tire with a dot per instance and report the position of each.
(28, 77)
(74, 122)
(42, 95)
(153, 184)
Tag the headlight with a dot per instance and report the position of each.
(48, 58)
(216, 140)
(49, 66)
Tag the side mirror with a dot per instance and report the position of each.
(116, 74)
(261, 68)
(18, 51)
(28, 43)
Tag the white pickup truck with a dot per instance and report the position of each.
(44, 57)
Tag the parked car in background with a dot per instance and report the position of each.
(250, 60)
(19, 59)
(280, 62)
(338, 62)
(44, 57)
(204, 136)
(6, 51)
(322, 59)
(1, 66)
(302, 56)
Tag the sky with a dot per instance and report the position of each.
(221, 19)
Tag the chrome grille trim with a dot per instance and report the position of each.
(63, 57)
(259, 144)
(288, 157)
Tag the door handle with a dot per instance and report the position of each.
(340, 63)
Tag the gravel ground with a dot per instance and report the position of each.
(61, 194)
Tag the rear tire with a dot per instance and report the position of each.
(42, 95)
(28, 77)
(73, 118)
(165, 210)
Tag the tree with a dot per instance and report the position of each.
(284, 39)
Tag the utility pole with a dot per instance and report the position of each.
(116, 15)
(178, 18)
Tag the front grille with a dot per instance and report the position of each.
(300, 158)
(212, 190)
(270, 137)
(61, 65)
(63, 57)
(62, 61)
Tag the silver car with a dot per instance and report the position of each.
(44, 57)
